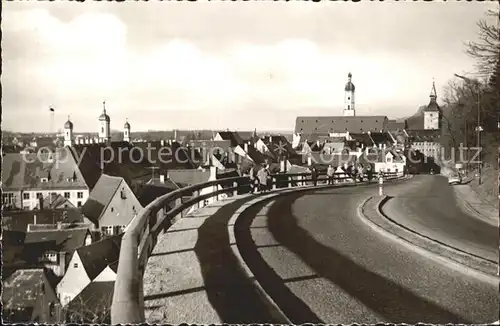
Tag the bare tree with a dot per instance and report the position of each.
(486, 50)
(95, 309)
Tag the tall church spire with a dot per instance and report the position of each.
(349, 110)
(433, 90)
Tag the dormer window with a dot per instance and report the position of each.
(44, 179)
(123, 195)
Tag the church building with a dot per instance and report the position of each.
(339, 126)
(104, 134)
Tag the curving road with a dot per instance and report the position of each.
(321, 263)
(429, 205)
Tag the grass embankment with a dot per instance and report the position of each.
(488, 189)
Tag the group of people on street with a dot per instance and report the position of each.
(259, 179)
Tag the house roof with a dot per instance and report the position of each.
(94, 300)
(329, 124)
(55, 200)
(381, 137)
(334, 159)
(101, 196)
(22, 287)
(246, 135)
(232, 136)
(362, 138)
(24, 171)
(394, 125)
(148, 192)
(336, 147)
(189, 177)
(19, 220)
(376, 155)
(428, 135)
(96, 256)
(64, 240)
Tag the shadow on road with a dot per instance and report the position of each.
(230, 291)
(294, 308)
(395, 303)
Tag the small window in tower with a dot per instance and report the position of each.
(316, 121)
(348, 98)
(102, 129)
(348, 107)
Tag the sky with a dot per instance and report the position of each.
(225, 65)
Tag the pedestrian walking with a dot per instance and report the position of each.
(262, 176)
(314, 176)
(330, 172)
(253, 179)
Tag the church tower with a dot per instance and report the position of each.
(432, 112)
(68, 133)
(126, 132)
(104, 126)
(349, 110)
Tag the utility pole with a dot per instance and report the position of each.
(478, 128)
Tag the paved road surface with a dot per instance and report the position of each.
(429, 205)
(321, 263)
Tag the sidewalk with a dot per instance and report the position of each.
(476, 205)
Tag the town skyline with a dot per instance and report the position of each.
(168, 77)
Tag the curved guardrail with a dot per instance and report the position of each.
(141, 235)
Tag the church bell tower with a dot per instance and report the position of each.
(349, 110)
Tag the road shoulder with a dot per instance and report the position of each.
(369, 211)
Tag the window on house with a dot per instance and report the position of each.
(67, 195)
(79, 194)
(52, 310)
(102, 129)
(112, 209)
(123, 195)
(79, 204)
(75, 265)
(107, 230)
(348, 108)
(26, 195)
(38, 195)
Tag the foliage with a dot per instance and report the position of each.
(470, 102)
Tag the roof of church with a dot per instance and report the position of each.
(325, 124)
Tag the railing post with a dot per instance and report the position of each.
(178, 202)
(235, 191)
(289, 178)
(273, 180)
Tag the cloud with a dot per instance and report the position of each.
(202, 59)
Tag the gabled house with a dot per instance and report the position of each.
(230, 136)
(52, 248)
(275, 147)
(57, 201)
(29, 297)
(385, 160)
(97, 262)
(27, 177)
(111, 206)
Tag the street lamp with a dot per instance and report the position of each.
(478, 128)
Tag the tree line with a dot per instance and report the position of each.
(475, 101)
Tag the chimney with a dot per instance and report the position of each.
(246, 147)
(317, 142)
(162, 142)
(62, 264)
(270, 138)
(162, 178)
(175, 134)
